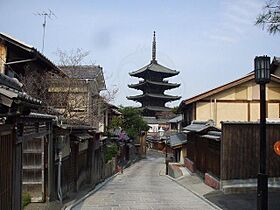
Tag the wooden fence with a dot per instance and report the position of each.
(85, 167)
(10, 169)
(204, 153)
(6, 168)
(240, 150)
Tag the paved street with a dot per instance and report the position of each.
(143, 186)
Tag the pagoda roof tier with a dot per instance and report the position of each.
(156, 68)
(162, 97)
(155, 108)
(148, 83)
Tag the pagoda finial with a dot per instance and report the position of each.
(154, 49)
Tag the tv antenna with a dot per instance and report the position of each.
(48, 14)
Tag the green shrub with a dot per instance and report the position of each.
(111, 151)
(26, 199)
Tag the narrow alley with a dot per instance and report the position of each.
(143, 186)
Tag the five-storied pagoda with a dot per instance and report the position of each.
(153, 86)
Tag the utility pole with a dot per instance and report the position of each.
(48, 14)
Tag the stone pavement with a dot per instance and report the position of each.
(234, 201)
(194, 183)
(143, 187)
(244, 201)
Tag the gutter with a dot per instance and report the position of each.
(20, 61)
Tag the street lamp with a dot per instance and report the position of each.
(262, 76)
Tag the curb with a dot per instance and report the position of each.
(196, 194)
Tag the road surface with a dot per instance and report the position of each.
(143, 186)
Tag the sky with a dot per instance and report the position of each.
(209, 42)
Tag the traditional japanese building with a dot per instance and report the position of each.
(153, 85)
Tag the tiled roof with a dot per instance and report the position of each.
(176, 119)
(82, 72)
(215, 135)
(7, 36)
(275, 64)
(148, 82)
(155, 67)
(30, 49)
(17, 96)
(276, 61)
(155, 108)
(10, 82)
(154, 120)
(177, 139)
(200, 126)
(152, 95)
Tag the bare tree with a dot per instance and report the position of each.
(71, 58)
(35, 83)
(74, 98)
(83, 99)
(270, 17)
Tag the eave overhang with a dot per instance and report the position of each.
(155, 108)
(31, 51)
(149, 83)
(156, 68)
(216, 90)
(219, 89)
(154, 96)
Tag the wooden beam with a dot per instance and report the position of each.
(249, 111)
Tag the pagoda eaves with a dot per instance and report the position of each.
(155, 108)
(156, 68)
(152, 95)
(153, 84)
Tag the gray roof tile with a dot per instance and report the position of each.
(82, 72)
(215, 135)
(155, 67)
(200, 126)
(177, 139)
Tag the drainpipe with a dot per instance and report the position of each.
(59, 144)
(51, 182)
(216, 114)
(59, 192)
(211, 111)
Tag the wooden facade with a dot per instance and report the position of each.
(83, 161)
(35, 131)
(232, 160)
(204, 154)
(28, 161)
(240, 150)
(10, 168)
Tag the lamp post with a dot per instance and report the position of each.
(262, 76)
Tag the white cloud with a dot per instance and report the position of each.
(235, 19)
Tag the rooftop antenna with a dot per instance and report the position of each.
(48, 14)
